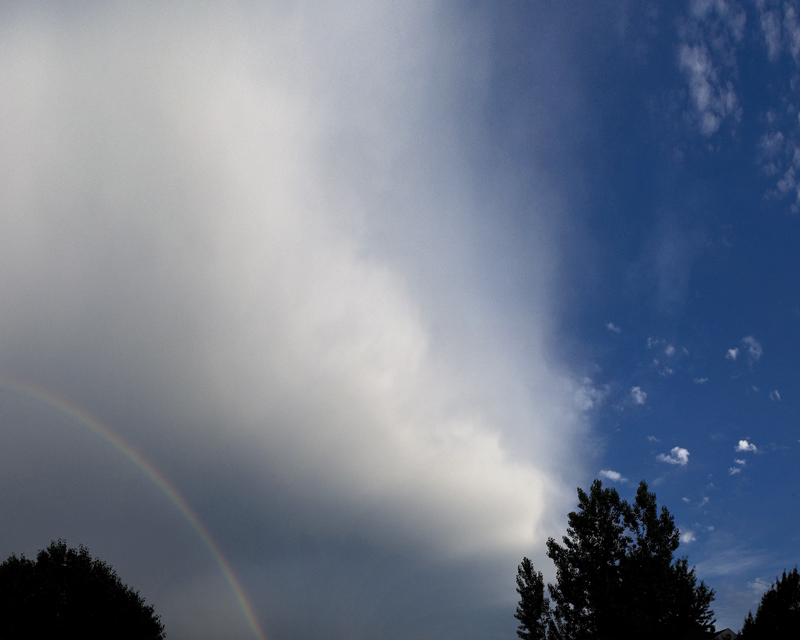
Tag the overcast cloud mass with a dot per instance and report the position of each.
(376, 286)
(252, 241)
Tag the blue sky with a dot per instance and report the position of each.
(376, 286)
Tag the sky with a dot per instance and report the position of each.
(314, 316)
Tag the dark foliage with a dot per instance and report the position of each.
(67, 594)
(778, 614)
(533, 608)
(616, 576)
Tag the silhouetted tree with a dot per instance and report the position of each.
(533, 609)
(616, 576)
(778, 613)
(67, 594)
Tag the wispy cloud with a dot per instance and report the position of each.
(707, 57)
(677, 455)
(712, 98)
(638, 396)
(612, 327)
(670, 350)
(774, 395)
(732, 354)
(754, 349)
(700, 380)
(729, 562)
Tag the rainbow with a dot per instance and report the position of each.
(75, 413)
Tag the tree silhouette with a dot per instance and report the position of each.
(616, 576)
(67, 594)
(532, 611)
(778, 613)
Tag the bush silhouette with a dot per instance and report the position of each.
(67, 594)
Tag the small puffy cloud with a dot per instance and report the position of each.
(734, 470)
(754, 350)
(667, 372)
(744, 445)
(774, 395)
(732, 354)
(670, 350)
(704, 501)
(678, 455)
(687, 537)
(686, 500)
(740, 461)
(612, 327)
(654, 439)
(700, 380)
(638, 396)
(614, 476)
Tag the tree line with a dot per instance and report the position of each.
(617, 577)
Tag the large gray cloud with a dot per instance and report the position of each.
(247, 240)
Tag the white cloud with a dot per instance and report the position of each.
(653, 439)
(612, 327)
(732, 354)
(638, 396)
(700, 380)
(740, 462)
(654, 342)
(670, 350)
(686, 500)
(666, 371)
(687, 537)
(678, 455)
(707, 57)
(771, 27)
(744, 445)
(587, 395)
(197, 208)
(759, 585)
(705, 500)
(614, 476)
(713, 99)
(754, 350)
(792, 31)
(734, 470)
(774, 395)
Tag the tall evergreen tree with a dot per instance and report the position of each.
(778, 613)
(533, 609)
(616, 575)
